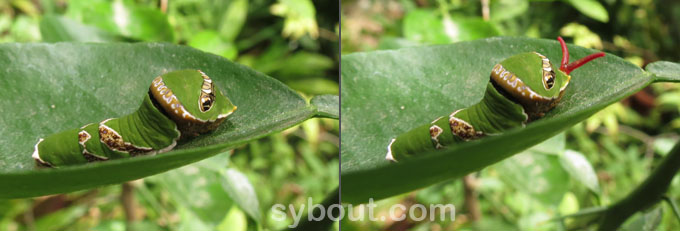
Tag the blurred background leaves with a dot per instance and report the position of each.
(295, 41)
(596, 162)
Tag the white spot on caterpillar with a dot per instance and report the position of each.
(505, 74)
(115, 141)
(454, 113)
(186, 114)
(435, 131)
(83, 127)
(169, 147)
(157, 81)
(36, 154)
(462, 128)
(220, 116)
(498, 68)
(167, 98)
(514, 82)
(389, 151)
(83, 137)
(435, 120)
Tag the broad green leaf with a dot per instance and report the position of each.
(460, 28)
(426, 27)
(648, 220)
(580, 169)
(239, 188)
(300, 17)
(62, 29)
(385, 93)
(210, 41)
(25, 29)
(506, 9)
(47, 88)
(234, 221)
(537, 171)
(664, 145)
(233, 20)
(123, 18)
(569, 204)
(62, 218)
(591, 8)
(665, 71)
(198, 190)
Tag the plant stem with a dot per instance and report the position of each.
(582, 212)
(471, 194)
(646, 194)
(127, 198)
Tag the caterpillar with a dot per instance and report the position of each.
(521, 89)
(179, 105)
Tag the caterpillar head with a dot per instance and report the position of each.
(530, 79)
(191, 99)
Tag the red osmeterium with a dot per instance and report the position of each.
(565, 53)
(569, 67)
(572, 66)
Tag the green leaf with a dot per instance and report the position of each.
(61, 218)
(386, 93)
(327, 106)
(210, 41)
(580, 169)
(663, 145)
(646, 221)
(239, 188)
(123, 18)
(61, 29)
(591, 8)
(537, 171)
(426, 27)
(506, 9)
(233, 19)
(665, 71)
(25, 29)
(47, 88)
(466, 28)
(197, 190)
(234, 221)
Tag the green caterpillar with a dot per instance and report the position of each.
(521, 89)
(179, 105)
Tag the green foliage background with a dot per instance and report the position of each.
(594, 163)
(293, 41)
